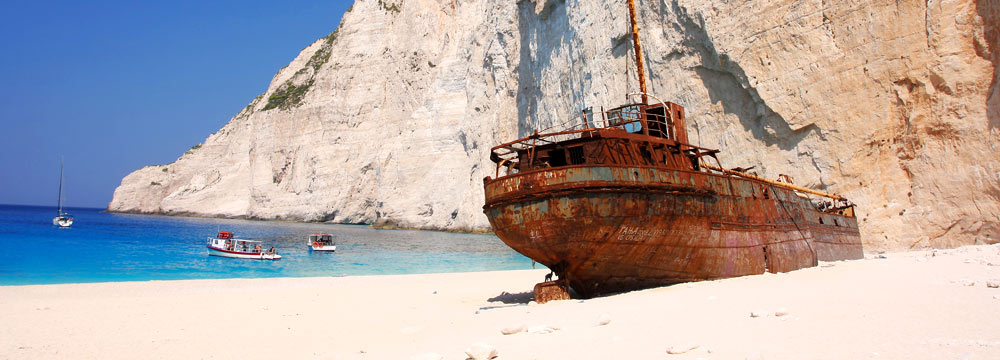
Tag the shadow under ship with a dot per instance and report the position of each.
(623, 201)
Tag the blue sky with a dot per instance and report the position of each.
(117, 85)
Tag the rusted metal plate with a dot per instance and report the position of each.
(549, 291)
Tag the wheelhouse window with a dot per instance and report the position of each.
(576, 155)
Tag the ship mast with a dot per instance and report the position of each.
(60, 184)
(638, 51)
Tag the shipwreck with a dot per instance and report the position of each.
(622, 200)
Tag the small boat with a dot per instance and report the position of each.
(62, 219)
(226, 245)
(321, 242)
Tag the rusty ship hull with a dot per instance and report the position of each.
(607, 229)
(619, 199)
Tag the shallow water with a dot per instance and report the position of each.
(118, 247)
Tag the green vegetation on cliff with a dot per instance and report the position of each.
(288, 96)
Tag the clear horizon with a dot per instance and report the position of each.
(114, 86)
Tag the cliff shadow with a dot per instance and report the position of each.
(726, 83)
(989, 11)
(541, 31)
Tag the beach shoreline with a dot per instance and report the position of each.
(922, 304)
(385, 225)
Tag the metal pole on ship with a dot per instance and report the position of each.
(638, 51)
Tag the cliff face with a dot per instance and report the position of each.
(389, 120)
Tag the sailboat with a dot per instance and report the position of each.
(62, 219)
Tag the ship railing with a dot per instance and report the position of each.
(627, 117)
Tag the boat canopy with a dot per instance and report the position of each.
(320, 237)
(225, 235)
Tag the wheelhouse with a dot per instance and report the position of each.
(635, 134)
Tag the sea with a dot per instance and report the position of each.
(107, 247)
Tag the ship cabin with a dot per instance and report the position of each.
(636, 134)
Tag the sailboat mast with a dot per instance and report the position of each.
(61, 159)
(638, 51)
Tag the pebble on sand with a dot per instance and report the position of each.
(481, 351)
(542, 329)
(993, 284)
(513, 329)
(757, 313)
(604, 319)
(680, 349)
(781, 312)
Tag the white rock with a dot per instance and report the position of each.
(542, 329)
(481, 351)
(427, 356)
(604, 319)
(781, 312)
(513, 329)
(680, 349)
(993, 284)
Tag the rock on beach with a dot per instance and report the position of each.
(481, 351)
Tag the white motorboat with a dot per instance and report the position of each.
(62, 219)
(321, 242)
(226, 245)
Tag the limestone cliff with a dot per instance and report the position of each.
(389, 120)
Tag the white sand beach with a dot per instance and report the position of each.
(915, 305)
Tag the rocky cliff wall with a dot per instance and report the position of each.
(389, 119)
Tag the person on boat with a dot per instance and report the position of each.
(257, 248)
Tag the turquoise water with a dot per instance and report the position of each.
(116, 247)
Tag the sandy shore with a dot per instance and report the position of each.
(917, 305)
